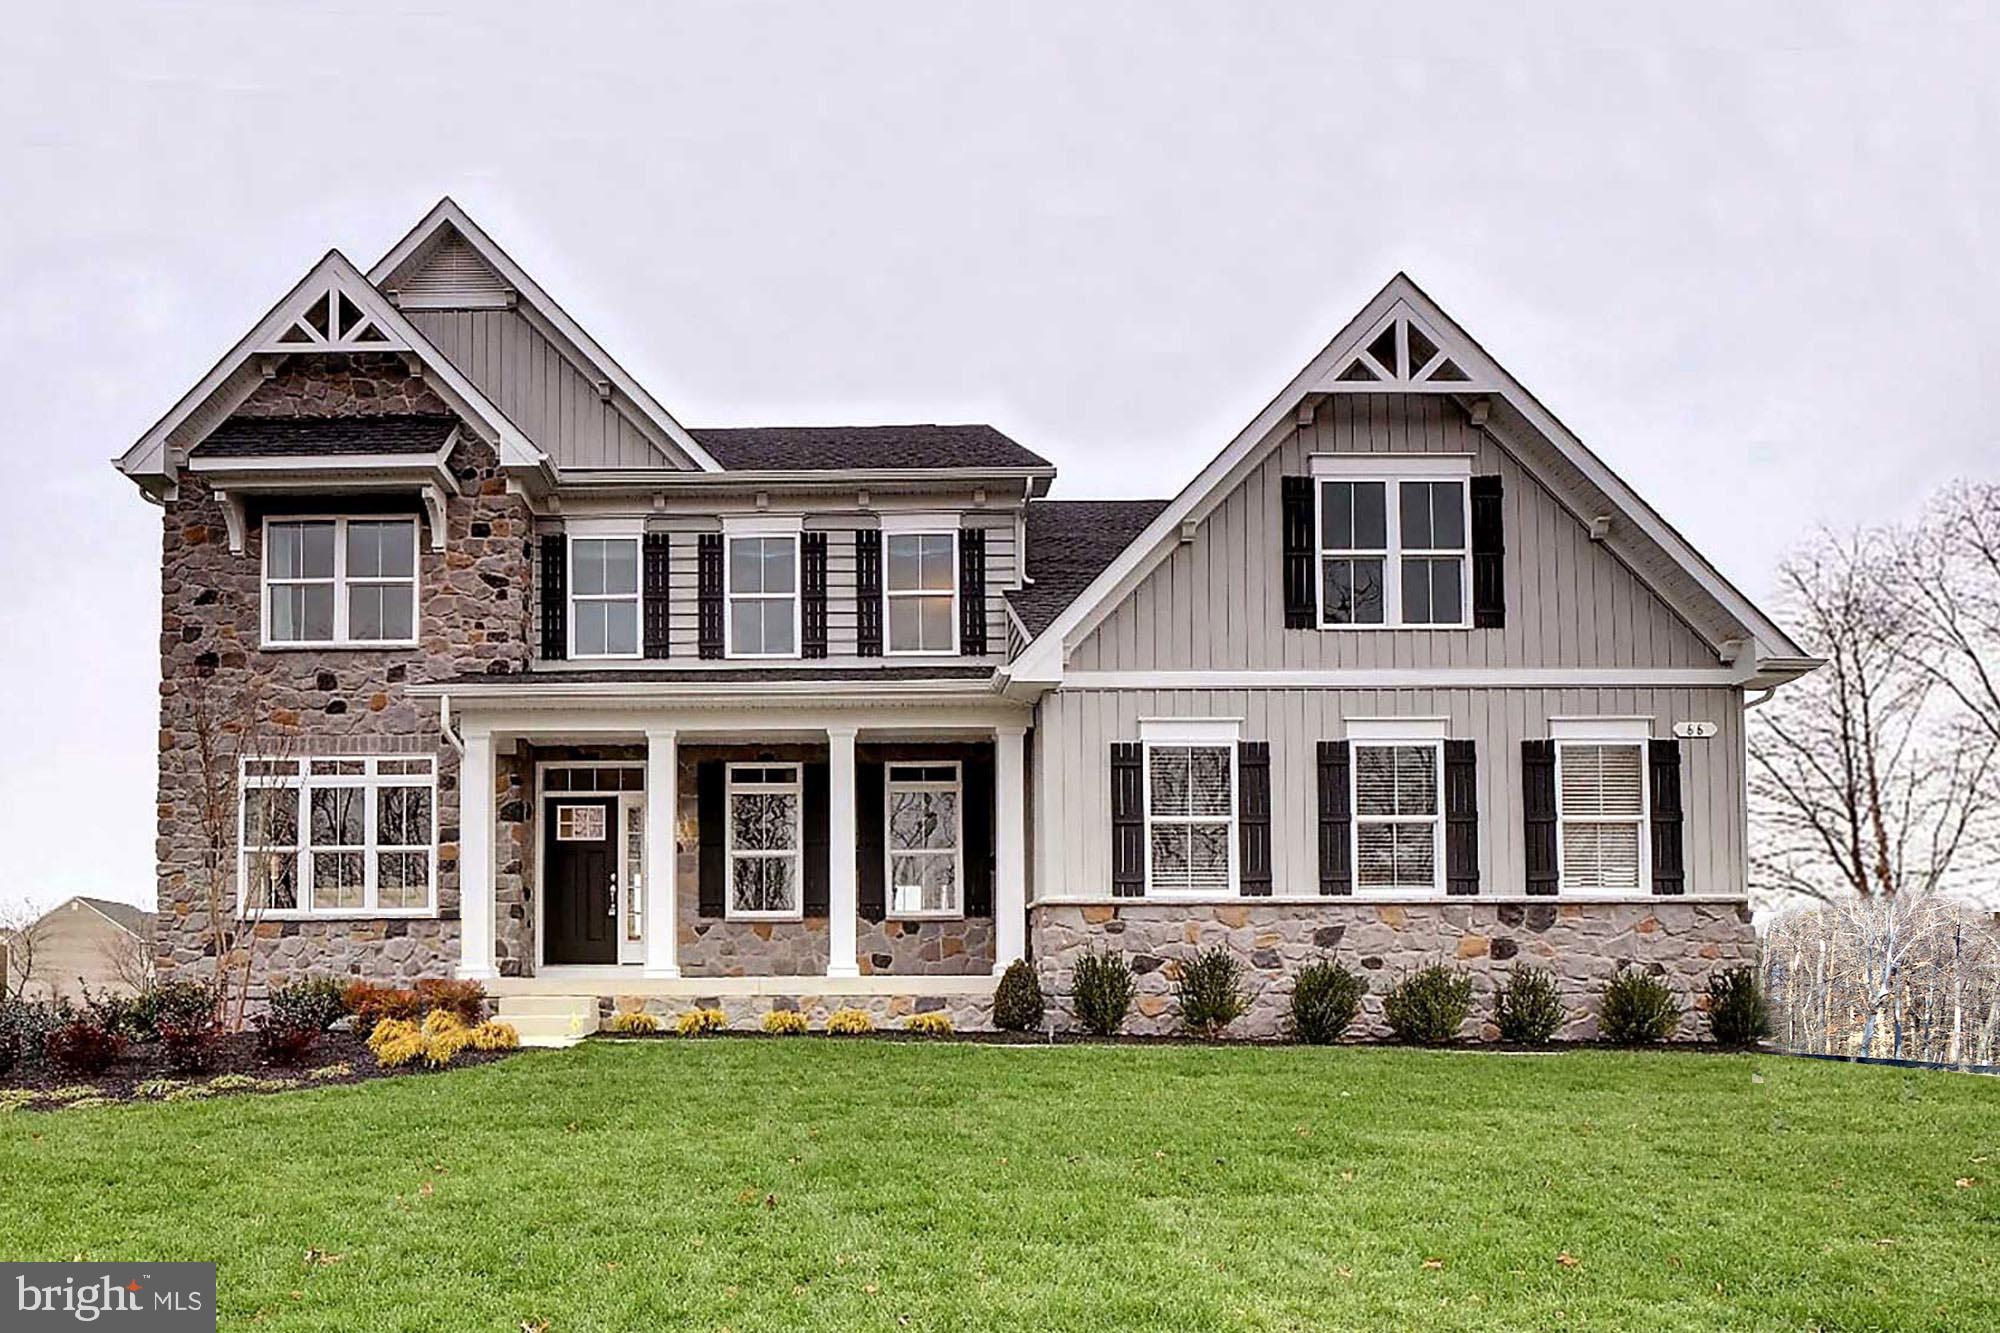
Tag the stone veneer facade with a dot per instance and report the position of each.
(472, 618)
(1582, 942)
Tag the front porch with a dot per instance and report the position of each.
(843, 851)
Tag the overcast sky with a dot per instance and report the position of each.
(1741, 250)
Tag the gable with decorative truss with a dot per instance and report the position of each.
(1406, 354)
(329, 319)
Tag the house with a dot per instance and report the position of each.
(92, 945)
(533, 684)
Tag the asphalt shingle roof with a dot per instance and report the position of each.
(287, 437)
(835, 448)
(1069, 543)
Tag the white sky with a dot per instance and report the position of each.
(1741, 250)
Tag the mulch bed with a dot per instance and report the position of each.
(237, 1057)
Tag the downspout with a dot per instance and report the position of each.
(451, 736)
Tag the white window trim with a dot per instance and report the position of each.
(1567, 732)
(606, 530)
(1198, 733)
(797, 788)
(340, 582)
(889, 594)
(889, 852)
(1383, 736)
(1391, 470)
(302, 780)
(791, 530)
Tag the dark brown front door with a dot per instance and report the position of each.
(580, 880)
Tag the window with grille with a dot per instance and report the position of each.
(335, 836)
(1190, 818)
(764, 840)
(763, 593)
(920, 591)
(340, 581)
(604, 596)
(1397, 829)
(924, 839)
(1601, 817)
(1393, 551)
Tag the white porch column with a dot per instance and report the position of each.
(475, 858)
(1010, 847)
(662, 853)
(842, 854)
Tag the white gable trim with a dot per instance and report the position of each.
(447, 213)
(1043, 660)
(151, 456)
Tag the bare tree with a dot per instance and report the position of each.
(128, 958)
(1864, 779)
(21, 930)
(1950, 572)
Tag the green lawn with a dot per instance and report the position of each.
(819, 1184)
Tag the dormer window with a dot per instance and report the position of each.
(340, 582)
(763, 592)
(1393, 548)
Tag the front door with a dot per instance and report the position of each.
(580, 871)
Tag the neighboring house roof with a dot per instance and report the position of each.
(1458, 367)
(845, 448)
(269, 437)
(136, 920)
(1069, 544)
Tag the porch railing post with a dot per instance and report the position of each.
(841, 842)
(475, 858)
(662, 853)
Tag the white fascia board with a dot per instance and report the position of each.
(448, 213)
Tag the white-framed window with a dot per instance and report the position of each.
(762, 585)
(920, 591)
(1190, 801)
(340, 582)
(924, 839)
(338, 836)
(1603, 844)
(1394, 541)
(765, 840)
(604, 595)
(1398, 816)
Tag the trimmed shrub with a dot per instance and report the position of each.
(294, 1017)
(185, 1016)
(849, 1022)
(697, 1022)
(370, 1003)
(1102, 991)
(494, 1035)
(1638, 1009)
(1429, 1006)
(784, 1022)
(90, 1040)
(1529, 1009)
(1208, 992)
(1325, 999)
(464, 1000)
(1738, 1014)
(634, 1023)
(1017, 1000)
(395, 1042)
(30, 1022)
(934, 1024)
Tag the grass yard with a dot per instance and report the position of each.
(830, 1185)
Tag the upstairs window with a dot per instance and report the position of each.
(340, 582)
(920, 589)
(1393, 550)
(604, 596)
(1601, 842)
(1190, 818)
(763, 592)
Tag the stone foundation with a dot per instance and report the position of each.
(969, 1013)
(1582, 943)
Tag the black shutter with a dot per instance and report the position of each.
(868, 592)
(1669, 863)
(816, 792)
(1538, 813)
(1253, 818)
(972, 592)
(1336, 819)
(555, 597)
(656, 594)
(708, 591)
(1296, 573)
(1461, 817)
(870, 897)
(978, 832)
(1489, 546)
(710, 794)
(1128, 820)
(812, 611)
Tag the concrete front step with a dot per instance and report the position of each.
(550, 1020)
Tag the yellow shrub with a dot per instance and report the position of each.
(936, 1024)
(785, 1023)
(493, 1035)
(635, 1024)
(395, 1041)
(697, 1021)
(849, 1022)
(440, 1021)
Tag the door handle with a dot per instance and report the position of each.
(613, 909)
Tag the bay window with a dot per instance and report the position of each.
(340, 582)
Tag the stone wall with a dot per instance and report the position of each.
(472, 618)
(1582, 943)
(969, 1013)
